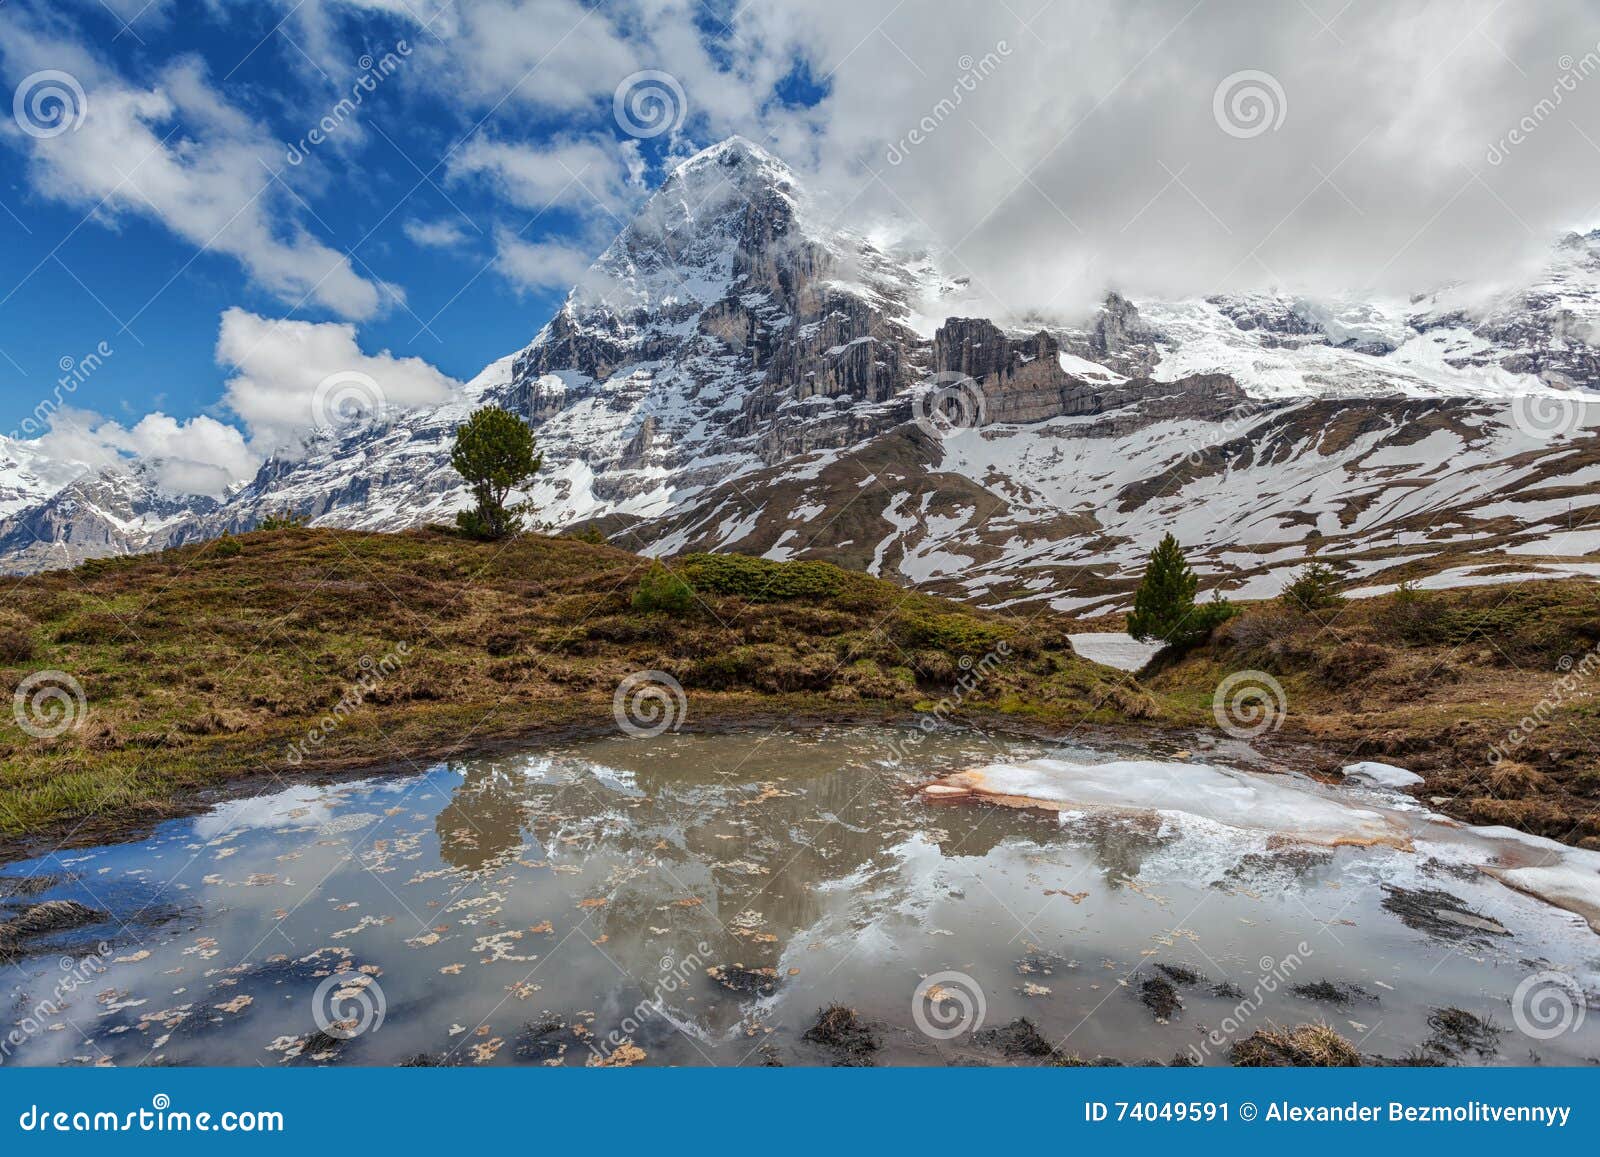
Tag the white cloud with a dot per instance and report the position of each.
(590, 175)
(445, 233)
(196, 456)
(289, 377)
(540, 265)
(179, 152)
(558, 54)
(280, 365)
(1089, 153)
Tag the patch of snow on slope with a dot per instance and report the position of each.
(1114, 649)
(1202, 339)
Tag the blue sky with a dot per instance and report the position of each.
(78, 272)
(161, 193)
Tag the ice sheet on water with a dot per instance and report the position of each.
(1566, 877)
(1381, 774)
(1237, 799)
(1200, 796)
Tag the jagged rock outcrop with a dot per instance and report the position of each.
(1021, 378)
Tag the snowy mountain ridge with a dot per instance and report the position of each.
(734, 373)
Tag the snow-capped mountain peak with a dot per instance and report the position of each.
(737, 371)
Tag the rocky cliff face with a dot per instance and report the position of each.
(1021, 379)
(734, 374)
(107, 512)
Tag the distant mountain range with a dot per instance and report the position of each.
(734, 374)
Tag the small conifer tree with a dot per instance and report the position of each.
(494, 451)
(1164, 604)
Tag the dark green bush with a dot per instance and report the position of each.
(1315, 588)
(661, 590)
(956, 634)
(762, 579)
(1163, 606)
(282, 521)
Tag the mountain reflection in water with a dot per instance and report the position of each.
(697, 899)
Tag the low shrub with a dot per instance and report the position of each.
(16, 645)
(283, 520)
(90, 627)
(1350, 662)
(956, 634)
(762, 579)
(662, 591)
(1273, 640)
(1314, 588)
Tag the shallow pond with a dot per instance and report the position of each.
(696, 899)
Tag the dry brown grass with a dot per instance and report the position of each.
(203, 665)
(1439, 682)
(1315, 1045)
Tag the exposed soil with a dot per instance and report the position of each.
(1340, 992)
(845, 1035)
(745, 981)
(1440, 914)
(40, 920)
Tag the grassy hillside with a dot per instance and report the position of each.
(288, 651)
(212, 663)
(1438, 682)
